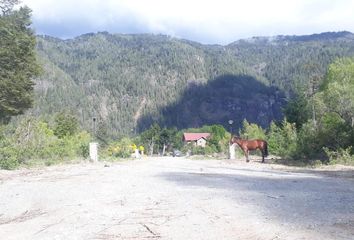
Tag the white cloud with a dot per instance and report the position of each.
(211, 21)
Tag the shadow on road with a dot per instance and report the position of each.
(307, 199)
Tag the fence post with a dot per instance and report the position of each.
(232, 152)
(94, 151)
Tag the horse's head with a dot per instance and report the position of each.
(231, 140)
(234, 139)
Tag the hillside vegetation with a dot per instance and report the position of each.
(127, 82)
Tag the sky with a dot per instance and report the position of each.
(204, 21)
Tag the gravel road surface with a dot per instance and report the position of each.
(177, 198)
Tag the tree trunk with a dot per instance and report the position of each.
(152, 147)
(163, 149)
(314, 114)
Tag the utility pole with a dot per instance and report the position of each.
(231, 122)
(94, 125)
(231, 146)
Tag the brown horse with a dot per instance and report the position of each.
(247, 145)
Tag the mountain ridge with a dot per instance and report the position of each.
(110, 74)
(324, 36)
(328, 35)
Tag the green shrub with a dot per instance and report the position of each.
(65, 125)
(8, 158)
(84, 150)
(251, 131)
(211, 149)
(308, 144)
(330, 132)
(340, 156)
(197, 150)
(282, 139)
(8, 155)
(33, 142)
(120, 149)
(333, 131)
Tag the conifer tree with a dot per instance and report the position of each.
(18, 65)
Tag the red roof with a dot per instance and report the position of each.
(195, 136)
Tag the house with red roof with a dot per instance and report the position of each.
(198, 139)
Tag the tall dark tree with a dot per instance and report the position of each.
(297, 111)
(167, 138)
(18, 65)
(65, 125)
(151, 137)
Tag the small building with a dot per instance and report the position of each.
(198, 139)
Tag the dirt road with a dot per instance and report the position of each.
(176, 198)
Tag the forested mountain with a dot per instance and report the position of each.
(129, 81)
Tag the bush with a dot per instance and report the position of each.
(341, 156)
(8, 158)
(76, 145)
(34, 142)
(197, 150)
(120, 149)
(282, 139)
(330, 132)
(65, 125)
(251, 131)
(308, 144)
(84, 150)
(333, 132)
(8, 155)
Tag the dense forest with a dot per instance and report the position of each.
(127, 82)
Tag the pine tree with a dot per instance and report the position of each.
(18, 64)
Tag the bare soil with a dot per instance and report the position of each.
(177, 198)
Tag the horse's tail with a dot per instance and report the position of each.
(265, 149)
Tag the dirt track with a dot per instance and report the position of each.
(176, 198)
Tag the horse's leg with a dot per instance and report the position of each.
(262, 151)
(247, 154)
